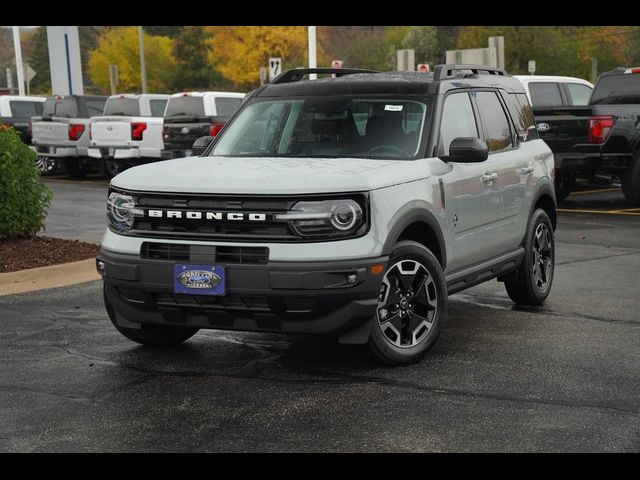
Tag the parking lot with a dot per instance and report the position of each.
(563, 377)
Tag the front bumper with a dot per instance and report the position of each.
(284, 297)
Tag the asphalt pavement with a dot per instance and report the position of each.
(563, 377)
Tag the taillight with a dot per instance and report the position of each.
(600, 127)
(165, 133)
(75, 131)
(90, 137)
(215, 128)
(136, 130)
(632, 70)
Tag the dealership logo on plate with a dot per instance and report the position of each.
(198, 279)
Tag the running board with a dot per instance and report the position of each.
(498, 266)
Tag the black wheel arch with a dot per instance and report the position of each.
(422, 226)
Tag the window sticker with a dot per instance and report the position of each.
(393, 108)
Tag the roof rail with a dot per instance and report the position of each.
(444, 71)
(297, 74)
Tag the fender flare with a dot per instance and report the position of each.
(415, 214)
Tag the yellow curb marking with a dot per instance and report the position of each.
(52, 276)
(585, 192)
(606, 212)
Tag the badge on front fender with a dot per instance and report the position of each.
(198, 279)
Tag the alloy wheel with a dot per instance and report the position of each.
(407, 303)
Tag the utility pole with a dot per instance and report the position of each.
(19, 67)
(312, 51)
(143, 70)
(594, 69)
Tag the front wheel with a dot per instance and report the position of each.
(535, 275)
(150, 335)
(412, 305)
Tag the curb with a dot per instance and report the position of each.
(42, 278)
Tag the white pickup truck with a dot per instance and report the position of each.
(63, 130)
(129, 133)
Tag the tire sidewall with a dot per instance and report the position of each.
(389, 353)
(539, 217)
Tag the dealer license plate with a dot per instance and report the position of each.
(199, 279)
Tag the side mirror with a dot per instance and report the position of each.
(467, 150)
(200, 145)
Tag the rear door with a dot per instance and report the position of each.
(472, 189)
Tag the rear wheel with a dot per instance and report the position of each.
(535, 275)
(151, 335)
(564, 185)
(630, 182)
(111, 167)
(412, 305)
(77, 167)
(46, 165)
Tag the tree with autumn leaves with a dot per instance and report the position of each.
(229, 57)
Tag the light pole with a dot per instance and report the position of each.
(19, 67)
(312, 51)
(143, 70)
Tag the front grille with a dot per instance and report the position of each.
(268, 229)
(205, 253)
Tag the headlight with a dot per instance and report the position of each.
(121, 211)
(327, 218)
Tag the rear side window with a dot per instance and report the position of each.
(617, 89)
(545, 94)
(122, 106)
(157, 107)
(22, 108)
(494, 119)
(457, 121)
(227, 106)
(60, 107)
(578, 94)
(186, 106)
(522, 116)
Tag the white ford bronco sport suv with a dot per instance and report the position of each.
(349, 206)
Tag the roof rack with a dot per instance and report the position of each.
(297, 74)
(444, 71)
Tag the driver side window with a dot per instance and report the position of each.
(457, 121)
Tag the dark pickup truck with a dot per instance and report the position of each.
(192, 115)
(601, 138)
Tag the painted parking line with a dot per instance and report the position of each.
(632, 211)
(586, 192)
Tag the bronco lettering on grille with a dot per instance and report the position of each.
(191, 215)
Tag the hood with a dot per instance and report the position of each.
(264, 175)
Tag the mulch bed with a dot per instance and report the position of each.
(42, 251)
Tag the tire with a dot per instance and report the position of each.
(77, 167)
(564, 186)
(535, 275)
(150, 335)
(630, 182)
(46, 165)
(111, 167)
(403, 332)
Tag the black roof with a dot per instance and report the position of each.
(443, 79)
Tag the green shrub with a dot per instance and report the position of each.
(23, 198)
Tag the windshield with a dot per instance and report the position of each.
(617, 89)
(328, 126)
(122, 106)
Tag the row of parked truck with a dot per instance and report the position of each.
(81, 133)
(594, 132)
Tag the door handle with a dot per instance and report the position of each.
(489, 177)
(526, 170)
